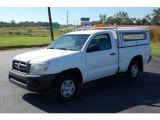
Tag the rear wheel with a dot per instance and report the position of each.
(133, 70)
(66, 87)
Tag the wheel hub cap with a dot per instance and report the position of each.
(134, 70)
(67, 88)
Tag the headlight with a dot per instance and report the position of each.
(38, 68)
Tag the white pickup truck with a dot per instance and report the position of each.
(82, 56)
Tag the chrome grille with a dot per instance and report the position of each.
(20, 66)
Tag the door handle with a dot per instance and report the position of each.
(112, 53)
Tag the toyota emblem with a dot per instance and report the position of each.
(19, 65)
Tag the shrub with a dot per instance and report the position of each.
(155, 33)
(18, 33)
(10, 33)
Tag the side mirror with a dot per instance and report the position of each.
(92, 48)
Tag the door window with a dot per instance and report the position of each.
(102, 40)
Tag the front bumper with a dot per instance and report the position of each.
(35, 83)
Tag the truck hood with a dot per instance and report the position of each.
(43, 55)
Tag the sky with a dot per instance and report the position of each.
(59, 14)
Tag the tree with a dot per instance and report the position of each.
(122, 18)
(13, 23)
(148, 18)
(144, 21)
(138, 21)
(132, 21)
(156, 17)
(111, 20)
(103, 19)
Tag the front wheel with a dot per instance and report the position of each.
(66, 87)
(133, 70)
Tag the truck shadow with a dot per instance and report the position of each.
(108, 95)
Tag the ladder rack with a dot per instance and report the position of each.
(116, 28)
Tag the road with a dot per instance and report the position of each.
(108, 95)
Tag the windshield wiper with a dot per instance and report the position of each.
(61, 48)
(50, 48)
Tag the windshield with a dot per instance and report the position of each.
(73, 42)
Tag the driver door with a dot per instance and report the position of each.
(103, 61)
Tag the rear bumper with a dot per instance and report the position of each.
(35, 83)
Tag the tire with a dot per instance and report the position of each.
(133, 70)
(65, 87)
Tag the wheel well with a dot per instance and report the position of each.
(73, 71)
(140, 60)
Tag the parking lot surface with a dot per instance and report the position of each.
(108, 95)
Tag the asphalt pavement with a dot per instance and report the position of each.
(108, 95)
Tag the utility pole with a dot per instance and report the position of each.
(50, 23)
(67, 20)
(74, 26)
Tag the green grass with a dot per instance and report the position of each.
(24, 41)
(155, 49)
(30, 32)
(27, 36)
